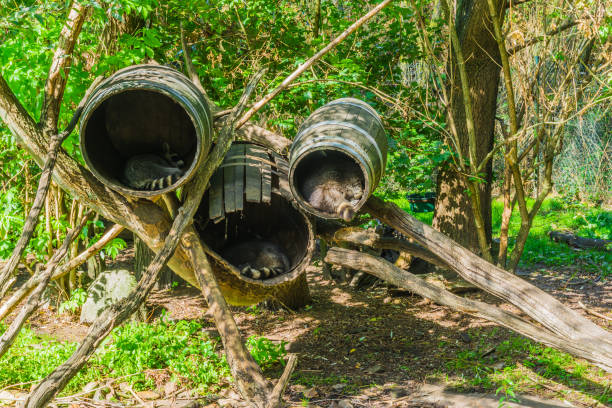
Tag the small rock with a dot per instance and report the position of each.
(387, 300)
(344, 404)
(148, 395)
(89, 388)
(100, 394)
(169, 388)
(125, 387)
(374, 369)
(6, 396)
(110, 287)
(397, 393)
(298, 388)
(338, 387)
(310, 393)
(397, 301)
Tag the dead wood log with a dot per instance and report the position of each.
(369, 237)
(533, 301)
(573, 240)
(8, 337)
(390, 273)
(62, 270)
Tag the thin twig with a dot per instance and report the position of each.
(594, 313)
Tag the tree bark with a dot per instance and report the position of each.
(453, 214)
(143, 257)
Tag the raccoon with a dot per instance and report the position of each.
(257, 259)
(332, 188)
(153, 172)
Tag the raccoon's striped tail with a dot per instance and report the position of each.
(346, 211)
(162, 182)
(261, 273)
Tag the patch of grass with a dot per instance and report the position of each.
(519, 365)
(183, 348)
(557, 214)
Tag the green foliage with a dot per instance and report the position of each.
(561, 214)
(508, 368)
(266, 353)
(74, 303)
(182, 347)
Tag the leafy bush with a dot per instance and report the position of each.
(266, 353)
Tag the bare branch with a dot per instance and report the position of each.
(566, 25)
(536, 303)
(60, 67)
(260, 104)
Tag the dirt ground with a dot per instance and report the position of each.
(377, 347)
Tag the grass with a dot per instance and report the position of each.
(182, 348)
(519, 365)
(555, 214)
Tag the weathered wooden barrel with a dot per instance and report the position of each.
(144, 110)
(345, 132)
(249, 200)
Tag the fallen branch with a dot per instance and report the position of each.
(25, 289)
(573, 240)
(536, 303)
(390, 273)
(594, 313)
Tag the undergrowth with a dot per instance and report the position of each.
(182, 348)
(519, 365)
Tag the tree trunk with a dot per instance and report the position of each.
(453, 215)
(143, 257)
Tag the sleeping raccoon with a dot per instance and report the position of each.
(257, 259)
(153, 172)
(332, 188)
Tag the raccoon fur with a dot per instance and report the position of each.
(333, 187)
(257, 259)
(153, 172)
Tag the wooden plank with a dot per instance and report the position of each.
(253, 177)
(238, 158)
(266, 174)
(215, 197)
(228, 184)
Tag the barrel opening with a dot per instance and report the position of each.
(310, 165)
(277, 222)
(135, 122)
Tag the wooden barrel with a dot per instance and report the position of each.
(346, 131)
(249, 200)
(144, 110)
